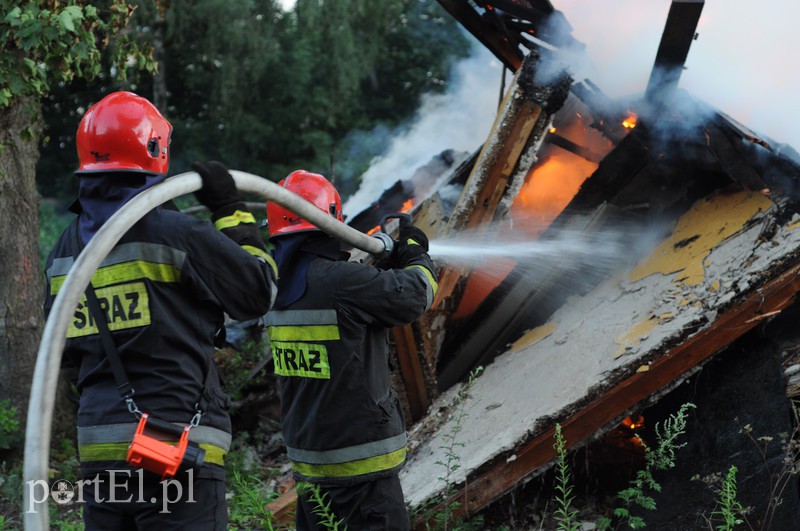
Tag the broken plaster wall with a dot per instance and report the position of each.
(714, 255)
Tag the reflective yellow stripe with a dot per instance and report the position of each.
(352, 468)
(234, 219)
(119, 451)
(429, 276)
(125, 272)
(261, 253)
(303, 333)
(214, 454)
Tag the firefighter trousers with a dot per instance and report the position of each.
(134, 502)
(376, 505)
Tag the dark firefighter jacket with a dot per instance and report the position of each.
(341, 419)
(164, 287)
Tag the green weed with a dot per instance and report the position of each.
(660, 458)
(781, 475)
(565, 515)
(322, 507)
(248, 507)
(443, 519)
(728, 507)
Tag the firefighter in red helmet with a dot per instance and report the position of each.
(154, 305)
(341, 419)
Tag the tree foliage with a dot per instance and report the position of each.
(269, 91)
(50, 41)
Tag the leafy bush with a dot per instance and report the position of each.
(9, 425)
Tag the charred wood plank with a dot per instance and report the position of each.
(408, 359)
(730, 125)
(679, 32)
(527, 109)
(500, 476)
(615, 171)
(576, 149)
(733, 163)
(507, 52)
(525, 9)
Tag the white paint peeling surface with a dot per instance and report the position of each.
(623, 323)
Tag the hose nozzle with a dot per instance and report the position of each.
(388, 245)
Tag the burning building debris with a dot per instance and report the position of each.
(693, 225)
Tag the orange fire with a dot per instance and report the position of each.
(630, 121)
(634, 422)
(549, 188)
(408, 205)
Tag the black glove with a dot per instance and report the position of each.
(411, 244)
(410, 232)
(218, 189)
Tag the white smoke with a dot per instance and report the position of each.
(735, 65)
(738, 64)
(459, 119)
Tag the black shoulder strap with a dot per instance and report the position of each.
(120, 376)
(99, 316)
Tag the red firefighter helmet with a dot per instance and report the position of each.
(312, 187)
(123, 132)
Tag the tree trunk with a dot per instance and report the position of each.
(21, 286)
(160, 76)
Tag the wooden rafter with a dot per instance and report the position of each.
(500, 46)
(679, 32)
(520, 127)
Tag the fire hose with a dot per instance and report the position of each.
(48, 360)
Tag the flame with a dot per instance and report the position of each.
(552, 129)
(630, 121)
(408, 205)
(546, 191)
(549, 188)
(632, 423)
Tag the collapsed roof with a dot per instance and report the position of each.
(700, 210)
(718, 201)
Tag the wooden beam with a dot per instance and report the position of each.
(501, 475)
(508, 53)
(493, 183)
(411, 371)
(283, 508)
(733, 162)
(679, 32)
(521, 124)
(617, 169)
(607, 114)
(576, 149)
